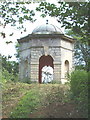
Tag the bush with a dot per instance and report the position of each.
(55, 82)
(79, 89)
(6, 76)
(79, 82)
(27, 80)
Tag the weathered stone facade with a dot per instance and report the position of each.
(32, 47)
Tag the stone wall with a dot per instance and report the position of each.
(34, 72)
(55, 52)
(66, 55)
(24, 64)
(36, 53)
(31, 51)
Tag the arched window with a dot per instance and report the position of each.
(66, 67)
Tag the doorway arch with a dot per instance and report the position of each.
(44, 61)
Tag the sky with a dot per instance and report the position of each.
(9, 49)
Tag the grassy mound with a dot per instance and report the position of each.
(11, 95)
(20, 99)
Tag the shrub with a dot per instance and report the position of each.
(79, 82)
(6, 76)
(27, 80)
(55, 82)
(79, 89)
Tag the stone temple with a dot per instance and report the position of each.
(46, 47)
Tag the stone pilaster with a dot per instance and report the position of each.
(57, 71)
(34, 72)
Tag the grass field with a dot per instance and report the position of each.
(21, 100)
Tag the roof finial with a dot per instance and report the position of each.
(46, 21)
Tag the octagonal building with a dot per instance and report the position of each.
(45, 46)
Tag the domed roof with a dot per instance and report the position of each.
(47, 29)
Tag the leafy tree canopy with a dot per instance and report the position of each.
(10, 66)
(15, 12)
(72, 15)
(81, 51)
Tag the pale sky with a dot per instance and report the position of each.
(10, 48)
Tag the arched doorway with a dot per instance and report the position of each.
(44, 61)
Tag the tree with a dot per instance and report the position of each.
(72, 15)
(11, 66)
(15, 13)
(10, 12)
(17, 50)
(81, 51)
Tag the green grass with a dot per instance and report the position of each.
(38, 95)
(21, 100)
(11, 95)
(26, 105)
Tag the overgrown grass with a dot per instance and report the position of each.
(22, 99)
(38, 95)
(27, 104)
(11, 94)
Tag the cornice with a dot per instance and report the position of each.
(39, 36)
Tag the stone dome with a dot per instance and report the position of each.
(47, 29)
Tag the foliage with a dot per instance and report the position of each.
(26, 80)
(10, 70)
(15, 13)
(14, 9)
(10, 66)
(7, 77)
(72, 15)
(79, 89)
(81, 52)
(79, 81)
(17, 50)
(55, 82)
